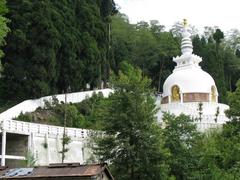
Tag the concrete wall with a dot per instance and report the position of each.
(45, 149)
(50, 153)
(44, 142)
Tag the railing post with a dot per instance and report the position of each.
(3, 147)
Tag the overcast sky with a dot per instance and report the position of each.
(222, 13)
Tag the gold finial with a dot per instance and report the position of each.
(185, 22)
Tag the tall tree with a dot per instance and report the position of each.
(3, 32)
(133, 141)
(234, 103)
(219, 60)
(54, 45)
(181, 136)
(3, 24)
(122, 42)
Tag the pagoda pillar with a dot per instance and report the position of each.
(181, 97)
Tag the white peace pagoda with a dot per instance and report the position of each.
(190, 90)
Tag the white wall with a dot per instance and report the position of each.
(51, 153)
(32, 104)
(40, 134)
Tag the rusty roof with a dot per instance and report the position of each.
(62, 170)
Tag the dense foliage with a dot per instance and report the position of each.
(54, 45)
(189, 154)
(133, 140)
(78, 115)
(137, 147)
(218, 151)
(181, 136)
(3, 24)
(144, 45)
(234, 102)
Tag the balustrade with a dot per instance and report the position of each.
(13, 126)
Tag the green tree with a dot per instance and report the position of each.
(234, 103)
(53, 45)
(132, 140)
(3, 32)
(3, 24)
(145, 45)
(123, 40)
(218, 36)
(217, 155)
(154, 51)
(218, 150)
(218, 59)
(181, 137)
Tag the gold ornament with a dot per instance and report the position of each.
(185, 22)
(175, 93)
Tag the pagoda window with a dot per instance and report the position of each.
(175, 93)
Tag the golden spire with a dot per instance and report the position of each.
(186, 45)
(185, 23)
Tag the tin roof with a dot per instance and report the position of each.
(57, 170)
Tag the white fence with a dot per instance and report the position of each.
(32, 104)
(208, 119)
(26, 128)
(191, 108)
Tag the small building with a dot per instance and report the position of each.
(65, 171)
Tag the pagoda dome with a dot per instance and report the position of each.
(188, 82)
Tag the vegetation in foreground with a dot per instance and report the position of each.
(135, 144)
(139, 149)
(47, 54)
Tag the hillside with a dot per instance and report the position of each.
(78, 115)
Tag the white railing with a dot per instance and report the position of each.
(208, 117)
(202, 127)
(191, 108)
(32, 104)
(20, 127)
(221, 119)
(13, 157)
(207, 107)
